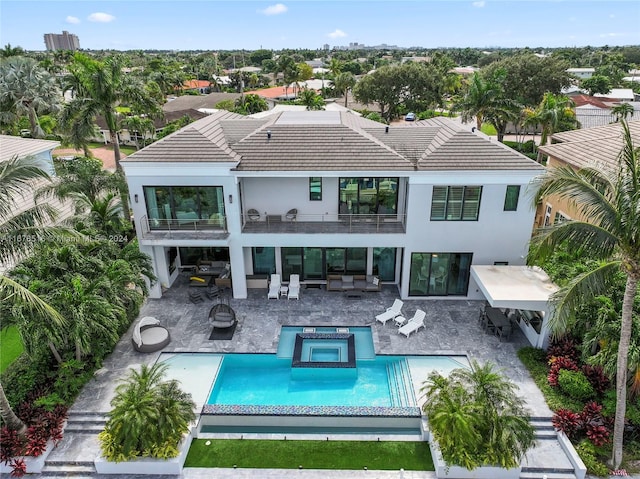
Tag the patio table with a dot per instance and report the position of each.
(497, 318)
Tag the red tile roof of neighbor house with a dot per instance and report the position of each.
(192, 84)
(581, 100)
(273, 92)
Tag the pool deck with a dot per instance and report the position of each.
(451, 329)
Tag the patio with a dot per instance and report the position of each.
(451, 328)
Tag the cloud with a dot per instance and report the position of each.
(337, 33)
(276, 9)
(100, 17)
(74, 20)
(479, 4)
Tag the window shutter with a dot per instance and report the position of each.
(454, 203)
(471, 203)
(438, 202)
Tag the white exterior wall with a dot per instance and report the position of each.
(276, 196)
(498, 235)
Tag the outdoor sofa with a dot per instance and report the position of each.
(357, 282)
(211, 268)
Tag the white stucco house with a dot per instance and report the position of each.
(414, 205)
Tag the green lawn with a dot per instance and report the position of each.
(266, 454)
(10, 346)
(488, 129)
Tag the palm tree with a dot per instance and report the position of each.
(344, 82)
(611, 202)
(311, 100)
(623, 110)
(149, 416)
(9, 51)
(100, 87)
(554, 113)
(477, 418)
(481, 100)
(16, 178)
(27, 88)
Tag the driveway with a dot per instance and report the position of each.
(104, 154)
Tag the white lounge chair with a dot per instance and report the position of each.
(413, 324)
(294, 287)
(274, 287)
(392, 312)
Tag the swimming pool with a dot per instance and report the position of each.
(241, 393)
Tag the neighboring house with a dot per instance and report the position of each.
(275, 93)
(11, 146)
(581, 73)
(618, 94)
(206, 102)
(594, 147)
(201, 86)
(133, 138)
(415, 205)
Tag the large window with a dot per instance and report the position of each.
(384, 263)
(291, 262)
(439, 274)
(315, 189)
(184, 205)
(190, 256)
(346, 260)
(264, 260)
(511, 198)
(368, 195)
(455, 203)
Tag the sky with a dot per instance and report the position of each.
(250, 25)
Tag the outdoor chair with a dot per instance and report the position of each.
(413, 324)
(149, 336)
(391, 313)
(294, 287)
(253, 214)
(274, 287)
(291, 214)
(222, 316)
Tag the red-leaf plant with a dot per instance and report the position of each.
(597, 428)
(558, 363)
(563, 347)
(597, 378)
(19, 467)
(567, 421)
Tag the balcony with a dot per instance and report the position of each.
(325, 224)
(158, 229)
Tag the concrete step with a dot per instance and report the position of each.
(547, 475)
(84, 428)
(68, 470)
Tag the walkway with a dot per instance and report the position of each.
(451, 329)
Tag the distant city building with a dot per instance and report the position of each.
(64, 41)
(326, 46)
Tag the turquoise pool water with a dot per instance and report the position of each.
(362, 335)
(266, 380)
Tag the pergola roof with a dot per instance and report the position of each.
(515, 287)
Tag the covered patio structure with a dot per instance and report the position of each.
(526, 290)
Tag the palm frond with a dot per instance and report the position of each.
(10, 290)
(568, 299)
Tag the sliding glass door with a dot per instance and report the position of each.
(439, 274)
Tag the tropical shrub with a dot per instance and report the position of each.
(598, 380)
(563, 347)
(567, 421)
(558, 364)
(587, 453)
(575, 384)
(477, 418)
(149, 416)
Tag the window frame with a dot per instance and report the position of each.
(460, 202)
(507, 198)
(312, 180)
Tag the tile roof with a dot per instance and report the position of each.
(201, 141)
(200, 101)
(332, 141)
(599, 146)
(11, 146)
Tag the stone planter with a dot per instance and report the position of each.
(146, 465)
(34, 464)
(457, 472)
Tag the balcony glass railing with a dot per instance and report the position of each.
(161, 225)
(323, 223)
